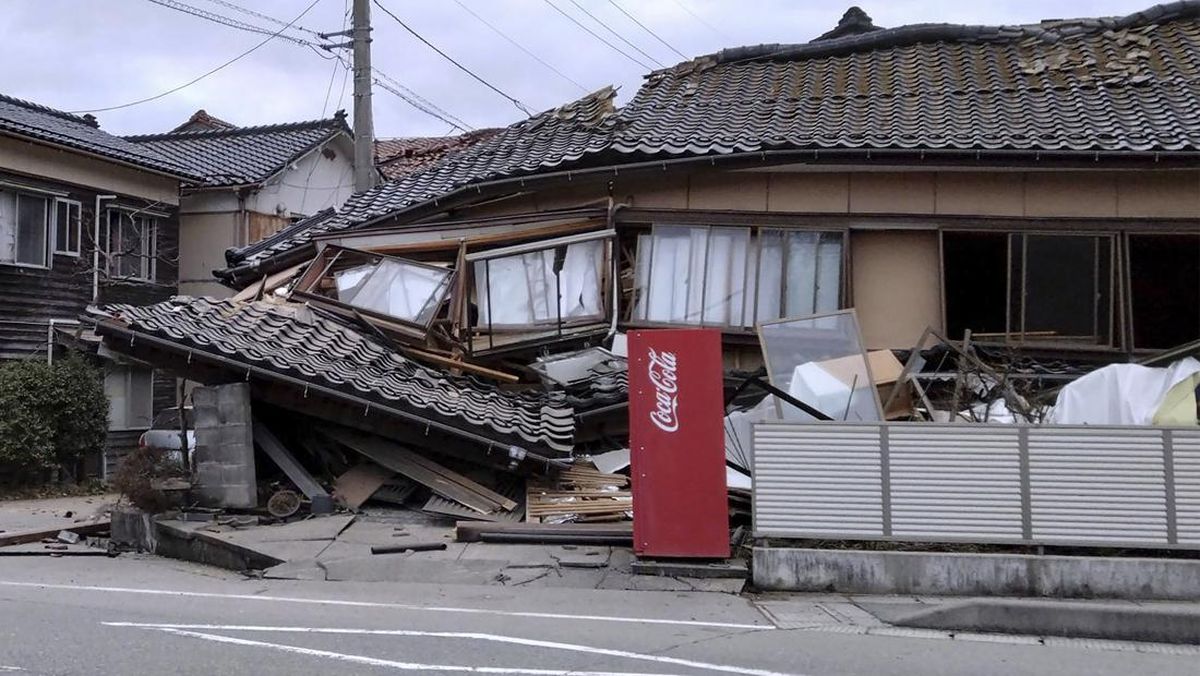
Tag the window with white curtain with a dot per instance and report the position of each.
(735, 277)
(521, 290)
(24, 229)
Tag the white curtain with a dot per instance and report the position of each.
(520, 290)
(697, 275)
(409, 292)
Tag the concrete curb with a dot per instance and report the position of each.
(953, 574)
(1170, 624)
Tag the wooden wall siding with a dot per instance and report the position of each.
(30, 297)
(117, 445)
(260, 226)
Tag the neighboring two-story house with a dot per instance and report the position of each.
(256, 180)
(85, 217)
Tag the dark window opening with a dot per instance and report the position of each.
(975, 267)
(1165, 289)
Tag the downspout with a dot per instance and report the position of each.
(96, 249)
(243, 235)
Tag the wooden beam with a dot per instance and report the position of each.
(24, 537)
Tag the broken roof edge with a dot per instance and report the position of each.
(107, 325)
(1049, 31)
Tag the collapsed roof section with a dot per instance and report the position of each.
(1082, 87)
(295, 346)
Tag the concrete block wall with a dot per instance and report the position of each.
(224, 455)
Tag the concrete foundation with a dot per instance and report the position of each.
(951, 574)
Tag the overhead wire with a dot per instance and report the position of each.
(700, 19)
(519, 46)
(249, 12)
(646, 28)
(597, 35)
(610, 29)
(404, 93)
(516, 102)
(230, 22)
(211, 72)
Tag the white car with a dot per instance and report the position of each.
(164, 434)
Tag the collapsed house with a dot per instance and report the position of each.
(1028, 193)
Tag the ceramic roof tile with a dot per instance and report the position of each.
(241, 155)
(291, 340)
(398, 157)
(31, 120)
(1090, 85)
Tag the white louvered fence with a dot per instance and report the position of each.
(1053, 485)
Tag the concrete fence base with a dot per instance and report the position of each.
(952, 574)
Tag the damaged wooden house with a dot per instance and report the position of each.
(1033, 185)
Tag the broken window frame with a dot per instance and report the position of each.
(557, 328)
(324, 262)
(1019, 335)
(754, 248)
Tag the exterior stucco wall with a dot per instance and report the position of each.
(203, 238)
(32, 159)
(313, 183)
(896, 285)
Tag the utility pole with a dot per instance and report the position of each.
(364, 123)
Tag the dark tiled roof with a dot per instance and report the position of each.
(398, 157)
(202, 121)
(1112, 85)
(292, 341)
(31, 120)
(539, 143)
(242, 155)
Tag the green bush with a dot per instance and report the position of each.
(50, 415)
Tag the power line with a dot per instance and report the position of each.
(260, 15)
(227, 21)
(597, 36)
(419, 102)
(647, 29)
(610, 30)
(697, 17)
(519, 46)
(523, 108)
(244, 54)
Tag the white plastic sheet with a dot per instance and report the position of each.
(1125, 394)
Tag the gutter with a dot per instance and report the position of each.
(515, 453)
(823, 156)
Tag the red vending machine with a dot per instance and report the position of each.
(677, 444)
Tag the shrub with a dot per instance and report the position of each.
(139, 470)
(52, 415)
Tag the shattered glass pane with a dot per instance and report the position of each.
(820, 360)
(404, 290)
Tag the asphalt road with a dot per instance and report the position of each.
(142, 615)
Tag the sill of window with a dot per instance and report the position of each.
(30, 266)
(69, 254)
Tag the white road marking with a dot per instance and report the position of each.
(404, 666)
(533, 643)
(4, 667)
(390, 606)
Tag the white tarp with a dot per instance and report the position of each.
(1131, 394)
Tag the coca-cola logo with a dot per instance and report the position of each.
(664, 376)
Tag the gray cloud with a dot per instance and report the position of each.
(86, 54)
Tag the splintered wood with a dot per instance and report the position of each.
(580, 494)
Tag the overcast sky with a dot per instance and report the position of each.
(90, 54)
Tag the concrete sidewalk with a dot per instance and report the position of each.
(338, 548)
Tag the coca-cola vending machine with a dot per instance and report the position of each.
(677, 444)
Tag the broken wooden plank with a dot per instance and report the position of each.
(422, 470)
(359, 483)
(270, 444)
(413, 547)
(27, 536)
